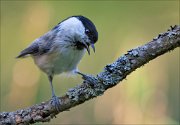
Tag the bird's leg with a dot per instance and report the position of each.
(55, 99)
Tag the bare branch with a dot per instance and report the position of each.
(94, 86)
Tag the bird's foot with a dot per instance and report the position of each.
(84, 76)
(56, 103)
(88, 78)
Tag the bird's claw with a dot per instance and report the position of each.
(56, 103)
(88, 78)
(85, 77)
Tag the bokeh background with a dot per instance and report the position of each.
(150, 95)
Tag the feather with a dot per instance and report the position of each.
(40, 46)
(32, 49)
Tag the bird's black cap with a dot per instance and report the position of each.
(90, 28)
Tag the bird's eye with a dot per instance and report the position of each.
(87, 31)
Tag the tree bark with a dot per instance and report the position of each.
(94, 86)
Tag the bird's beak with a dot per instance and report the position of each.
(87, 47)
(93, 47)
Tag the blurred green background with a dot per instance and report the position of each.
(150, 95)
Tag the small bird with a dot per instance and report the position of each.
(61, 49)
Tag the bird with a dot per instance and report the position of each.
(61, 49)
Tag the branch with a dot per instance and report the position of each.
(94, 86)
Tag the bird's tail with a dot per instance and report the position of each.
(23, 54)
(32, 49)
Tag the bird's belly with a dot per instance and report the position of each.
(57, 63)
(67, 61)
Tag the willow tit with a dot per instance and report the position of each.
(61, 49)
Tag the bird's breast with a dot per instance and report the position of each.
(65, 60)
(68, 60)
